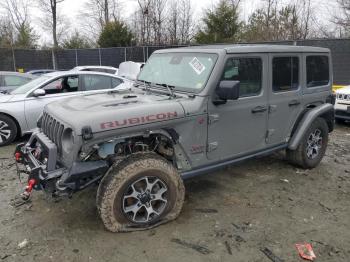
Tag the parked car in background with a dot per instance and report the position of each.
(40, 72)
(11, 80)
(103, 69)
(20, 109)
(342, 104)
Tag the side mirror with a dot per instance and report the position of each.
(39, 92)
(228, 90)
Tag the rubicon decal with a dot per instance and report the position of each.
(138, 120)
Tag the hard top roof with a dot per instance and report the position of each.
(251, 48)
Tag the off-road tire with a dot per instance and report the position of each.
(124, 173)
(299, 156)
(11, 126)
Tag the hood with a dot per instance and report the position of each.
(102, 112)
(344, 90)
(5, 97)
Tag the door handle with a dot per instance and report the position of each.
(294, 103)
(259, 109)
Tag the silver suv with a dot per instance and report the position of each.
(192, 111)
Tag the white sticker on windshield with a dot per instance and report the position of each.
(197, 66)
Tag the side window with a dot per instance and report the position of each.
(97, 82)
(317, 71)
(285, 72)
(116, 82)
(14, 80)
(246, 70)
(62, 85)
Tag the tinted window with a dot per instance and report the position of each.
(116, 82)
(285, 73)
(246, 70)
(96, 82)
(317, 70)
(15, 80)
(62, 85)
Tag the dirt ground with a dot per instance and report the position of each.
(227, 216)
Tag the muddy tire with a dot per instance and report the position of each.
(312, 147)
(8, 130)
(140, 192)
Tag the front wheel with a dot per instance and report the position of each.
(141, 192)
(8, 130)
(312, 147)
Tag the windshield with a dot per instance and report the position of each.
(183, 71)
(30, 85)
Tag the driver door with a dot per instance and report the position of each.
(239, 127)
(57, 89)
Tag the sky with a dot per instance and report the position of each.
(71, 10)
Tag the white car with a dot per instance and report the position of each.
(20, 109)
(342, 104)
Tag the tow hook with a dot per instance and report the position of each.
(18, 156)
(28, 190)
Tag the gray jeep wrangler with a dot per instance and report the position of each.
(191, 111)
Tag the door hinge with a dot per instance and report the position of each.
(212, 146)
(213, 118)
(269, 133)
(272, 108)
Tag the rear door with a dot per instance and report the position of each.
(285, 96)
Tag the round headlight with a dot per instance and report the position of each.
(67, 139)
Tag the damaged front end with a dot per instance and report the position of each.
(38, 158)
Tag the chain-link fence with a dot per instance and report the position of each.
(66, 59)
(25, 60)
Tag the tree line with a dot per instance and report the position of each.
(168, 22)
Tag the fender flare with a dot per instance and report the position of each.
(306, 122)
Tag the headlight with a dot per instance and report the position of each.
(67, 139)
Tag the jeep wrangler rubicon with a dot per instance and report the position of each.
(191, 111)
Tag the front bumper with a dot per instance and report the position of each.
(342, 111)
(38, 158)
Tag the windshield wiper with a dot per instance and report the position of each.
(147, 85)
(170, 89)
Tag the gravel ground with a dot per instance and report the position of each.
(227, 216)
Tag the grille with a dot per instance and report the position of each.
(343, 97)
(53, 129)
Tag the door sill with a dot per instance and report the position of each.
(219, 165)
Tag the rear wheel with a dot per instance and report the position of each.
(140, 192)
(312, 147)
(8, 130)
